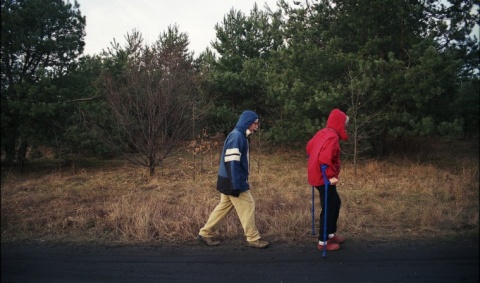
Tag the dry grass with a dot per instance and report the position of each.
(427, 193)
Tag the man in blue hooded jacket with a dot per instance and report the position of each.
(233, 184)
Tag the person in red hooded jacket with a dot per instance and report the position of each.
(324, 149)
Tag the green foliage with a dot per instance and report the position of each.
(449, 130)
(398, 68)
(392, 65)
(221, 119)
(40, 41)
(244, 44)
(468, 100)
(376, 60)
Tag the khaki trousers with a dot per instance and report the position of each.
(245, 207)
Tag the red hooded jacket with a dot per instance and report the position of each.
(324, 148)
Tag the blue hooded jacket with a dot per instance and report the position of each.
(234, 167)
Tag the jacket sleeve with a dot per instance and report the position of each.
(327, 156)
(309, 148)
(233, 156)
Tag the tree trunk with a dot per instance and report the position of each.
(9, 148)
(151, 170)
(22, 155)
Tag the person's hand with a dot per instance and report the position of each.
(333, 181)
(236, 193)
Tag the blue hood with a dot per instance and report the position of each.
(246, 119)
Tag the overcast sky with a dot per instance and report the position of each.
(109, 19)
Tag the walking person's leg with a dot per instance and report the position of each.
(219, 212)
(334, 210)
(334, 204)
(332, 213)
(325, 221)
(321, 192)
(245, 207)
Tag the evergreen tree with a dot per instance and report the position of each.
(413, 76)
(40, 41)
(237, 81)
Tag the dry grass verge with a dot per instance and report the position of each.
(432, 195)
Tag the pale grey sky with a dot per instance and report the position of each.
(109, 19)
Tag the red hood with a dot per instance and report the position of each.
(336, 120)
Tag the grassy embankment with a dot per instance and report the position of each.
(427, 190)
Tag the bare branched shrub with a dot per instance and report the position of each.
(152, 99)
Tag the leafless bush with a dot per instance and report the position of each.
(155, 99)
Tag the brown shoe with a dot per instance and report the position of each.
(329, 246)
(209, 241)
(260, 244)
(336, 240)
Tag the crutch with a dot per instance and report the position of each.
(325, 233)
(313, 210)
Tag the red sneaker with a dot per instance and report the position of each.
(336, 240)
(329, 246)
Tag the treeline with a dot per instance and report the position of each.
(398, 68)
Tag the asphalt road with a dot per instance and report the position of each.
(278, 263)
